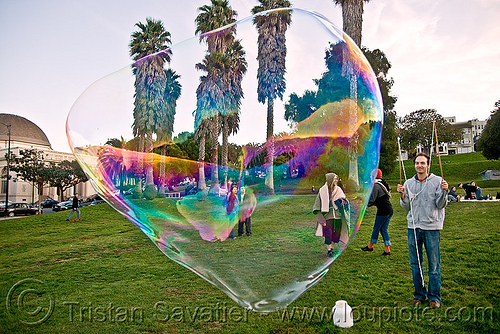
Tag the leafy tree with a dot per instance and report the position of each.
(64, 175)
(333, 86)
(171, 150)
(79, 175)
(298, 108)
(490, 137)
(389, 147)
(352, 18)
(271, 55)
(31, 166)
(416, 129)
(188, 145)
(115, 142)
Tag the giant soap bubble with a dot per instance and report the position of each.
(151, 171)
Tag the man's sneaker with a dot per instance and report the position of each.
(416, 302)
(434, 304)
(386, 253)
(366, 249)
(330, 253)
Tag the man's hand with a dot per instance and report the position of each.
(444, 185)
(401, 191)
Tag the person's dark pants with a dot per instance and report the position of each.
(247, 222)
(479, 196)
(331, 231)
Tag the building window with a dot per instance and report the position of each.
(3, 189)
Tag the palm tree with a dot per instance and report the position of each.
(164, 133)
(218, 15)
(271, 56)
(231, 119)
(171, 94)
(212, 92)
(147, 49)
(352, 18)
(200, 135)
(212, 101)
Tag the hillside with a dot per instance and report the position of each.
(456, 168)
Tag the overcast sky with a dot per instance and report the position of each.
(444, 54)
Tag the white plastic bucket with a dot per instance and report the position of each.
(342, 314)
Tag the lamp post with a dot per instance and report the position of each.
(8, 167)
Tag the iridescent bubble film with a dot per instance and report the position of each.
(166, 141)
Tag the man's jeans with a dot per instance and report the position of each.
(430, 239)
(77, 213)
(381, 224)
(479, 196)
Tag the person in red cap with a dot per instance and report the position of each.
(381, 198)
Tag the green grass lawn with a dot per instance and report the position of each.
(103, 275)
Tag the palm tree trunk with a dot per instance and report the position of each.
(269, 181)
(225, 149)
(149, 160)
(214, 152)
(140, 169)
(201, 165)
(40, 194)
(162, 171)
(349, 70)
(352, 17)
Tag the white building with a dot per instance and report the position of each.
(471, 131)
(24, 134)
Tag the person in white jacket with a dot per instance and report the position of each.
(424, 196)
(328, 205)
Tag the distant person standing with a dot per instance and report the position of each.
(248, 203)
(231, 203)
(425, 196)
(381, 198)
(327, 206)
(74, 207)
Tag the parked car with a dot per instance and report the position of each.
(62, 206)
(48, 203)
(97, 201)
(17, 209)
(129, 192)
(92, 198)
